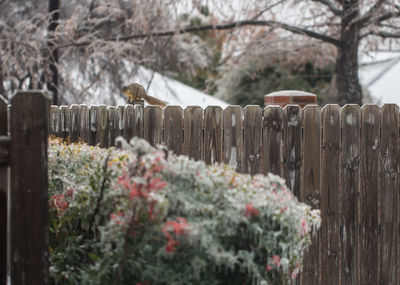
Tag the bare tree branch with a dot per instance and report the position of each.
(227, 26)
(332, 6)
(370, 14)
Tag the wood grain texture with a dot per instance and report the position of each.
(369, 194)
(3, 194)
(252, 139)
(349, 181)
(272, 140)
(93, 123)
(29, 183)
(64, 122)
(213, 134)
(102, 126)
(129, 122)
(138, 126)
(389, 200)
(330, 215)
(84, 123)
(112, 126)
(310, 190)
(120, 120)
(292, 148)
(153, 120)
(173, 128)
(54, 121)
(74, 123)
(193, 132)
(233, 137)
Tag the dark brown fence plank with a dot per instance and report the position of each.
(153, 120)
(54, 118)
(129, 121)
(349, 178)
(93, 123)
(84, 123)
(389, 200)
(310, 191)
(193, 132)
(3, 196)
(138, 126)
(64, 122)
(213, 134)
(330, 231)
(272, 140)
(369, 194)
(112, 127)
(173, 128)
(233, 137)
(74, 123)
(120, 120)
(102, 126)
(292, 148)
(29, 184)
(252, 139)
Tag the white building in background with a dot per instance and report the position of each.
(380, 75)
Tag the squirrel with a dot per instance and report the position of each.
(136, 91)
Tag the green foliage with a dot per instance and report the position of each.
(144, 216)
(253, 83)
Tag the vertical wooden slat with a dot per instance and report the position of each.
(54, 121)
(29, 184)
(173, 128)
(93, 122)
(349, 179)
(153, 122)
(129, 120)
(138, 124)
(84, 123)
(272, 140)
(64, 122)
(369, 194)
(102, 126)
(213, 134)
(120, 120)
(112, 126)
(292, 148)
(310, 192)
(193, 133)
(233, 137)
(252, 139)
(3, 196)
(389, 200)
(330, 230)
(74, 123)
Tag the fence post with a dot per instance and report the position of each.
(3, 196)
(29, 183)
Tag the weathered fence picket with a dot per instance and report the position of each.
(4, 144)
(330, 154)
(344, 161)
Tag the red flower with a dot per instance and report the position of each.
(58, 203)
(178, 228)
(117, 218)
(70, 192)
(250, 211)
(277, 260)
(268, 267)
(156, 184)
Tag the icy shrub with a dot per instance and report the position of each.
(142, 215)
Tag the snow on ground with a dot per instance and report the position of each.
(382, 79)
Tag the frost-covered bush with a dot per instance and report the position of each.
(145, 216)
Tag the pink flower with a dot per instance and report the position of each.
(277, 260)
(304, 227)
(268, 267)
(250, 211)
(156, 184)
(70, 192)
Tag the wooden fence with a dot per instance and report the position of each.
(344, 161)
(24, 235)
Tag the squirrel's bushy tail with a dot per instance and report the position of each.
(154, 101)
